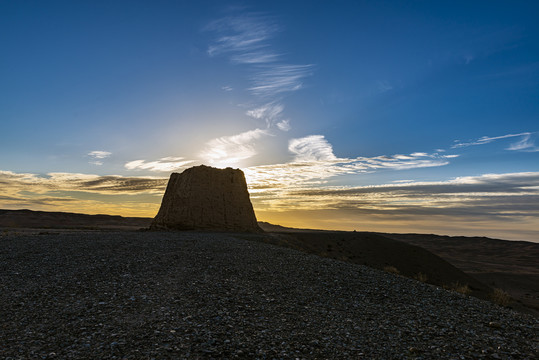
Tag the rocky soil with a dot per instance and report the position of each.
(151, 295)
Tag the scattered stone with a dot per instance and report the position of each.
(185, 309)
(494, 325)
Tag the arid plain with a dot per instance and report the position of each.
(483, 264)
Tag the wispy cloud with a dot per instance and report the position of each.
(97, 155)
(256, 57)
(273, 80)
(489, 204)
(311, 149)
(82, 193)
(383, 86)
(14, 183)
(487, 139)
(492, 204)
(283, 125)
(514, 184)
(270, 113)
(244, 37)
(314, 163)
(231, 149)
(498, 205)
(527, 143)
(165, 164)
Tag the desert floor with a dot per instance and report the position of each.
(93, 295)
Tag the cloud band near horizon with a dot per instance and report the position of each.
(493, 202)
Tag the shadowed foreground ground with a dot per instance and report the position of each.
(510, 265)
(172, 295)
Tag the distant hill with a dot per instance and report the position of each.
(62, 220)
(380, 252)
(509, 265)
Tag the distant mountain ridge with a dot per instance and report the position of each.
(62, 220)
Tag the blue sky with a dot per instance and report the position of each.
(432, 104)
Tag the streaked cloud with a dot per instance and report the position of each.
(526, 143)
(283, 125)
(270, 113)
(246, 40)
(515, 184)
(165, 164)
(111, 184)
(489, 204)
(82, 193)
(277, 79)
(383, 86)
(244, 37)
(487, 139)
(311, 149)
(97, 155)
(256, 57)
(314, 163)
(228, 150)
(499, 205)
(489, 198)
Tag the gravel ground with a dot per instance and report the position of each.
(146, 295)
